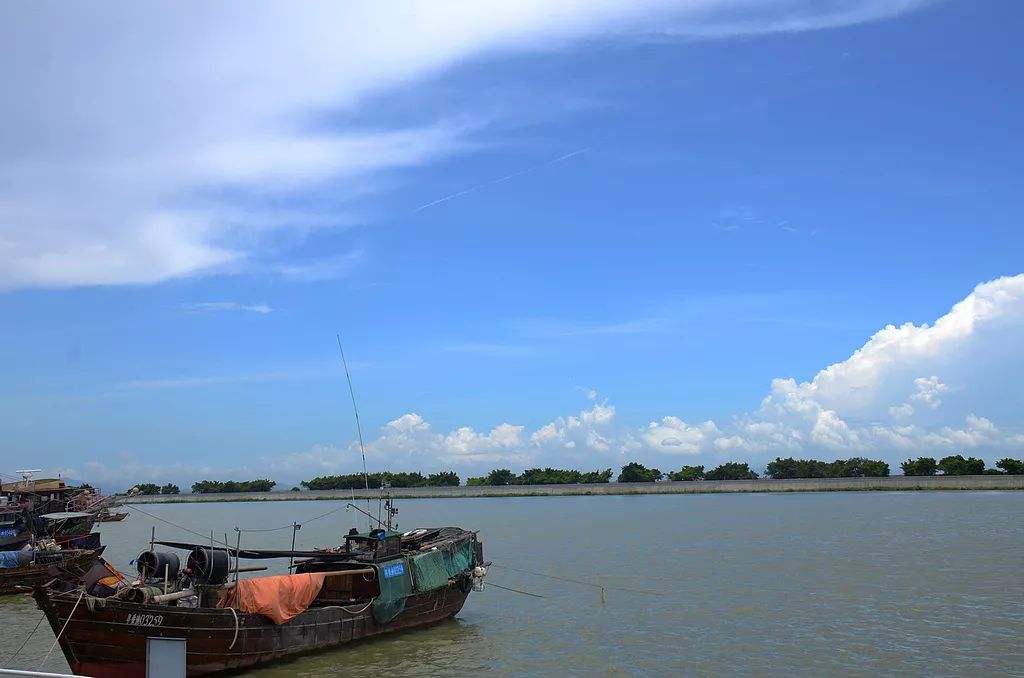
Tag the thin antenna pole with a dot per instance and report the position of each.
(359, 427)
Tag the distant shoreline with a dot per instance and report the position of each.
(888, 484)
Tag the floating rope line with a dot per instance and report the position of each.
(577, 581)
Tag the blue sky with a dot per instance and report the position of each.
(574, 237)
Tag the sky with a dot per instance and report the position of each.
(568, 234)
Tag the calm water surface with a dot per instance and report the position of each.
(807, 584)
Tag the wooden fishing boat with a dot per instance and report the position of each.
(107, 516)
(375, 583)
(31, 567)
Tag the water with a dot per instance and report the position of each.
(807, 584)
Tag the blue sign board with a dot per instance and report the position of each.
(394, 570)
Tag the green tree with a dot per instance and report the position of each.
(1013, 467)
(444, 479)
(148, 488)
(956, 465)
(922, 466)
(169, 488)
(635, 472)
(731, 471)
(476, 481)
(687, 473)
(258, 485)
(501, 476)
(859, 467)
(597, 476)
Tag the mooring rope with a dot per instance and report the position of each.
(68, 621)
(508, 588)
(22, 647)
(577, 581)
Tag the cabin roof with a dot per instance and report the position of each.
(34, 485)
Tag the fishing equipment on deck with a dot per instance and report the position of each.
(157, 565)
(209, 567)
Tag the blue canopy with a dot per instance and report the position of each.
(12, 559)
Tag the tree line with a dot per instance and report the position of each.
(153, 488)
(957, 465)
(541, 476)
(356, 481)
(258, 485)
(633, 472)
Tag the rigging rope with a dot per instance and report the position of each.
(133, 507)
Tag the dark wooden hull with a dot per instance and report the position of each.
(23, 579)
(109, 641)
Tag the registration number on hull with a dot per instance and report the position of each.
(145, 619)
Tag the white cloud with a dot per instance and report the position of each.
(901, 411)
(674, 436)
(215, 306)
(977, 343)
(928, 390)
(136, 135)
(851, 407)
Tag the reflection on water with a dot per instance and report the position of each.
(813, 584)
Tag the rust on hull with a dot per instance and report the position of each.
(109, 640)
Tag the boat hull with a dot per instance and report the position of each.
(109, 640)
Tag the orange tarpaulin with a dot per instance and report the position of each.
(278, 598)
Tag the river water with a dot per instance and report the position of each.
(809, 584)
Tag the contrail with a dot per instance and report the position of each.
(492, 182)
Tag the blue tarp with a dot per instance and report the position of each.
(10, 559)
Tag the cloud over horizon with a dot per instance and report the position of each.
(914, 389)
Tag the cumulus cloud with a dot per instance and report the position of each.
(672, 435)
(138, 148)
(856, 406)
(927, 390)
(853, 407)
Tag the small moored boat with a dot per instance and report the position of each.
(24, 569)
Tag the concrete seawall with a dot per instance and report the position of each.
(892, 483)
